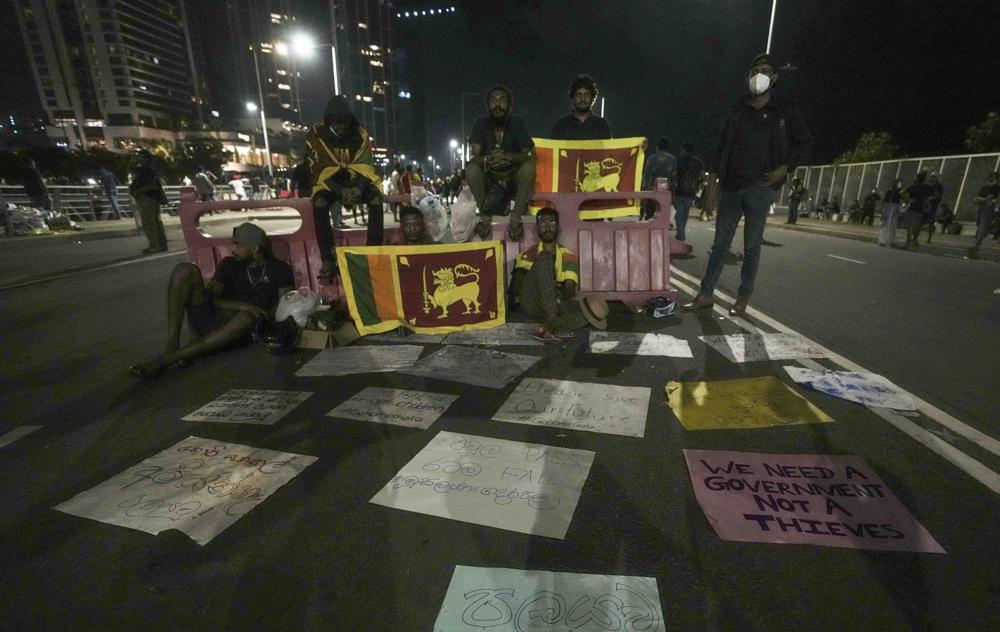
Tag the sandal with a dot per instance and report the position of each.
(484, 229)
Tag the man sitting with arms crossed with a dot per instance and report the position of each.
(544, 282)
(246, 286)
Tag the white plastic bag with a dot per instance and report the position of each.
(435, 217)
(299, 304)
(463, 216)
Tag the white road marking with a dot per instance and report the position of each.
(996, 291)
(63, 275)
(936, 444)
(846, 259)
(16, 434)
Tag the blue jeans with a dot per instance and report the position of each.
(683, 206)
(752, 203)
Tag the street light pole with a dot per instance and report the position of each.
(465, 137)
(770, 29)
(263, 118)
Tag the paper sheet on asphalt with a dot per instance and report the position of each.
(523, 487)
(399, 407)
(469, 365)
(507, 334)
(607, 408)
(512, 600)
(15, 434)
(365, 359)
(819, 499)
(198, 486)
(756, 402)
(869, 389)
(410, 339)
(763, 347)
(626, 343)
(248, 406)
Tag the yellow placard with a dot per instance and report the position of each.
(756, 402)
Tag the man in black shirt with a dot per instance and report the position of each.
(503, 158)
(795, 198)
(918, 198)
(246, 286)
(582, 123)
(764, 137)
(689, 170)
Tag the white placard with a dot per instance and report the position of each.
(198, 486)
(607, 408)
(507, 334)
(869, 389)
(409, 338)
(365, 359)
(247, 406)
(625, 343)
(15, 434)
(480, 367)
(511, 600)
(763, 347)
(399, 407)
(521, 487)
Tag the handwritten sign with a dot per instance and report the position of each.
(366, 359)
(521, 487)
(869, 389)
(762, 347)
(244, 406)
(802, 499)
(399, 407)
(408, 338)
(511, 600)
(507, 334)
(198, 486)
(468, 365)
(619, 410)
(625, 343)
(756, 402)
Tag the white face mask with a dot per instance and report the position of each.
(759, 83)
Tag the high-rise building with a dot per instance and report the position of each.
(101, 64)
(371, 69)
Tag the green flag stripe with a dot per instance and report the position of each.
(361, 284)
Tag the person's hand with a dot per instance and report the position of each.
(497, 159)
(350, 196)
(775, 175)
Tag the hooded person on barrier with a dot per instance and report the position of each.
(342, 170)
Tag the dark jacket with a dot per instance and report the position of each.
(146, 184)
(791, 140)
(336, 162)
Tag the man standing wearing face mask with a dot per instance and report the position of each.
(763, 138)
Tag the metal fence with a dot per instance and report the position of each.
(962, 176)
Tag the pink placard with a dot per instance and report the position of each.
(802, 499)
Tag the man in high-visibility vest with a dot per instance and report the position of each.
(343, 171)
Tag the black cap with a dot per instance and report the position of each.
(764, 58)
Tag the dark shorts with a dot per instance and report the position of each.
(206, 318)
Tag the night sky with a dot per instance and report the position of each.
(923, 70)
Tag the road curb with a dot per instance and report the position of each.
(23, 281)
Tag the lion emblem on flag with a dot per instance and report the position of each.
(447, 291)
(595, 179)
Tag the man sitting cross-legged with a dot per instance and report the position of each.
(544, 283)
(246, 286)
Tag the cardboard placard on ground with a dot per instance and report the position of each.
(510, 485)
(817, 499)
(755, 402)
(399, 407)
(763, 347)
(627, 343)
(512, 600)
(367, 359)
(248, 406)
(198, 486)
(869, 389)
(507, 334)
(608, 408)
(469, 365)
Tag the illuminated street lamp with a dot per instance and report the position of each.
(252, 107)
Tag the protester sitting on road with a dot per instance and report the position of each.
(342, 170)
(917, 196)
(544, 283)
(147, 191)
(662, 164)
(246, 286)
(503, 159)
(581, 123)
(764, 137)
(986, 208)
(891, 202)
(868, 207)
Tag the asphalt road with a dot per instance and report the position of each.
(318, 556)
